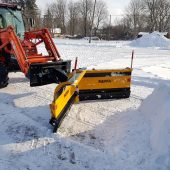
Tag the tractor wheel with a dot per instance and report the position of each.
(3, 76)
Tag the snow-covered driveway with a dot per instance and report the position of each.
(126, 134)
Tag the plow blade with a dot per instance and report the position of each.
(89, 85)
(65, 95)
(47, 73)
(105, 84)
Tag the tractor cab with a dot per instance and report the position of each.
(10, 15)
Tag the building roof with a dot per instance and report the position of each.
(6, 5)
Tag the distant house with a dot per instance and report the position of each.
(56, 32)
(166, 34)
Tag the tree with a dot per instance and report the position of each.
(85, 7)
(163, 19)
(59, 11)
(101, 14)
(135, 15)
(158, 14)
(148, 15)
(73, 13)
(48, 20)
(30, 12)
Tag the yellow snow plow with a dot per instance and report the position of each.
(89, 85)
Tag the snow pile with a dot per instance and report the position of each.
(156, 110)
(154, 39)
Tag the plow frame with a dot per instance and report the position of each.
(89, 85)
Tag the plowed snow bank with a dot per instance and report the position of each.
(156, 109)
(154, 39)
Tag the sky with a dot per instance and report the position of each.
(115, 7)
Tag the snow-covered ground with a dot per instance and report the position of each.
(126, 134)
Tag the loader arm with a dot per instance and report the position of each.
(7, 37)
(40, 69)
(43, 35)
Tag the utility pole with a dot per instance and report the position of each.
(91, 29)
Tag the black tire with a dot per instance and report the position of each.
(3, 76)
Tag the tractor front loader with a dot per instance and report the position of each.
(22, 49)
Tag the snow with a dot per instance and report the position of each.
(127, 134)
(156, 109)
(154, 39)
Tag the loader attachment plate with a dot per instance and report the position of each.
(47, 73)
(89, 85)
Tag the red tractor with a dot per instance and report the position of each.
(18, 51)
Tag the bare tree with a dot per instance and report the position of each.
(152, 9)
(59, 11)
(163, 19)
(158, 14)
(148, 15)
(48, 20)
(135, 15)
(101, 14)
(73, 16)
(85, 7)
